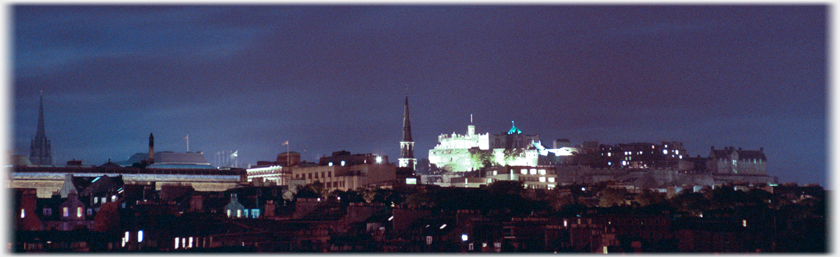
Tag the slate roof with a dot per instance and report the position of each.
(742, 154)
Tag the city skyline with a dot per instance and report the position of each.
(331, 78)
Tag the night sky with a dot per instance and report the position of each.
(329, 78)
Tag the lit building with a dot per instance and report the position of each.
(532, 177)
(642, 155)
(470, 151)
(345, 171)
(39, 149)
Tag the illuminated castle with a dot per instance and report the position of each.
(471, 151)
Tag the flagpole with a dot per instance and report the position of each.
(188, 141)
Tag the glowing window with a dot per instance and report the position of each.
(65, 212)
(95, 200)
(609, 154)
(238, 213)
(256, 212)
(342, 163)
(533, 171)
(495, 173)
(246, 213)
(524, 171)
(22, 213)
(551, 179)
(664, 151)
(330, 164)
(228, 213)
(542, 179)
(177, 241)
(677, 151)
(114, 198)
(191, 240)
(79, 212)
(140, 236)
(542, 171)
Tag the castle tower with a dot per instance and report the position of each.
(407, 144)
(151, 148)
(39, 148)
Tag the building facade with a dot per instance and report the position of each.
(345, 171)
(737, 161)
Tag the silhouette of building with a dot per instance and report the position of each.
(39, 149)
(407, 144)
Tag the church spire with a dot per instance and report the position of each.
(40, 132)
(406, 123)
(407, 144)
(39, 148)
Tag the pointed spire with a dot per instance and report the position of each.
(40, 132)
(39, 149)
(406, 123)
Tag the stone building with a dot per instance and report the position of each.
(737, 161)
(471, 151)
(345, 171)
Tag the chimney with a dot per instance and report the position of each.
(761, 149)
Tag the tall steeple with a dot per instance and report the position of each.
(151, 148)
(39, 148)
(407, 144)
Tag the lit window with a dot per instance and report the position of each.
(22, 213)
(246, 213)
(495, 173)
(330, 164)
(79, 212)
(256, 213)
(542, 171)
(191, 241)
(677, 151)
(744, 223)
(238, 213)
(228, 213)
(104, 199)
(542, 179)
(378, 159)
(95, 200)
(524, 171)
(177, 241)
(533, 171)
(342, 163)
(65, 212)
(140, 236)
(551, 179)
(664, 151)
(114, 198)
(609, 153)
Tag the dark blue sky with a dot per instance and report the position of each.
(331, 78)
